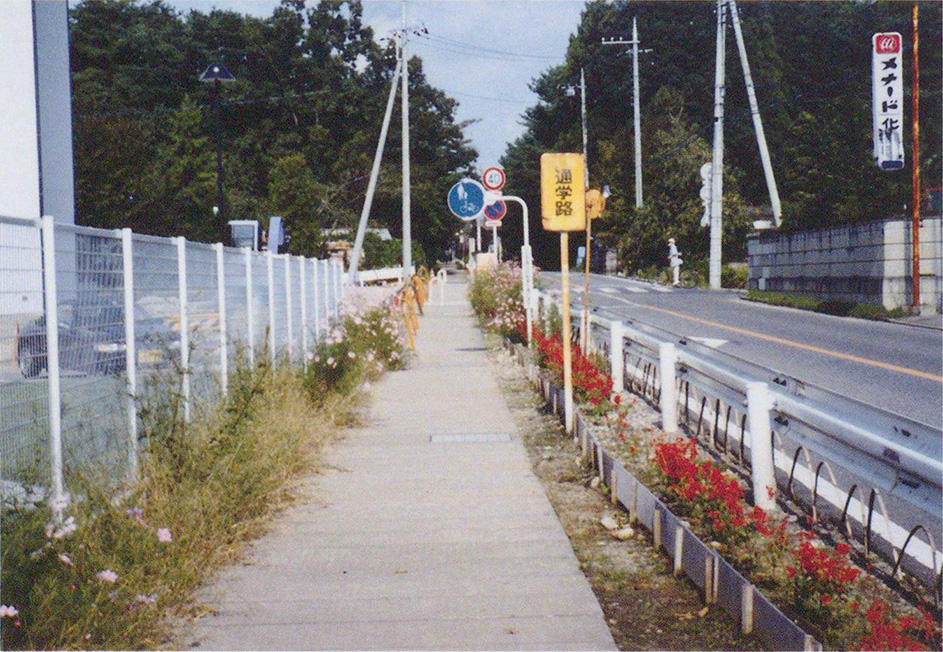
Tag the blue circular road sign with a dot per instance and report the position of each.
(467, 199)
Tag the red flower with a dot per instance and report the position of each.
(790, 571)
(825, 599)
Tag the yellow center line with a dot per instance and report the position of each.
(797, 345)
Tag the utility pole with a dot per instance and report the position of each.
(757, 120)
(584, 327)
(407, 218)
(915, 166)
(636, 117)
(717, 160)
(374, 174)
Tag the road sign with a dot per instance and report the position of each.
(493, 178)
(496, 211)
(562, 192)
(887, 100)
(467, 199)
(492, 223)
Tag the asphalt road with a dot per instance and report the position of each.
(893, 366)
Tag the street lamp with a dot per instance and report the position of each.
(218, 74)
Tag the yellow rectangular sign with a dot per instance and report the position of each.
(562, 192)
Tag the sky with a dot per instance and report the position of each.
(483, 53)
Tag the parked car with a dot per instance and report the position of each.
(92, 340)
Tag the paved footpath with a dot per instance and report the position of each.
(427, 539)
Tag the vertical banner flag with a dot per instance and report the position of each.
(562, 192)
(887, 100)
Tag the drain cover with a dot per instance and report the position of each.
(477, 437)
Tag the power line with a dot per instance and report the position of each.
(480, 48)
(505, 100)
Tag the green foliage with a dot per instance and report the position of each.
(734, 276)
(836, 307)
(817, 120)
(104, 576)
(358, 347)
(298, 128)
(496, 297)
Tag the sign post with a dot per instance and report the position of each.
(563, 209)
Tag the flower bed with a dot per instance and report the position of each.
(816, 584)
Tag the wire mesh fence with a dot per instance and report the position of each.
(99, 327)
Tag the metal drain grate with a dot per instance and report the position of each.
(470, 438)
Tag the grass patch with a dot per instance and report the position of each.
(836, 307)
(121, 559)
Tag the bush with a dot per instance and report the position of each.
(734, 276)
(838, 307)
(363, 344)
(496, 297)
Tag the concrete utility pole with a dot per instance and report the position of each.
(717, 160)
(636, 112)
(374, 174)
(915, 157)
(584, 326)
(757, 121)
(407, 218)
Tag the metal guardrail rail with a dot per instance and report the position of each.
(875, 474)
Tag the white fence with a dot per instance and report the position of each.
(98, 325)
(873, 474)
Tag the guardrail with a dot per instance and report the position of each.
(719, 583)
(842, 461)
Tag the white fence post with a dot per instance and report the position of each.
(130, 350)
(328, 292)
(617, 355)
(52, 363)
(304, 312)
(337, 287)
(761, 445)
(221, 300)
(288, 319)
(269, 261)
(250, 310)
(669, 400)
(317, 302)
(184, 325)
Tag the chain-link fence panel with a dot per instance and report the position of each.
(157, 327)
(24, 393)
(92, 349)
(280, 304)
(260, 305)
(237, 306)
(294, 309)
(203, 322)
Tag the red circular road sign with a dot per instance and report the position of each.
(496, 210)
(493, 178)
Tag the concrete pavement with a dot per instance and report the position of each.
(435, 533)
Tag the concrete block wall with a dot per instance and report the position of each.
(866, 263)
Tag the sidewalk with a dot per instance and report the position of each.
(436, 534)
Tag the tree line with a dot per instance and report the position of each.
(298, 126)
(811, 66)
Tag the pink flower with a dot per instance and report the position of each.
(351, 355)
(66, 560)
(8, 612)
(107, 576)
(330, 361)
(163, 535)
(145, 599)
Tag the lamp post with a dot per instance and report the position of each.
(218, 74)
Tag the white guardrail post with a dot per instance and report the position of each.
(761, 445)
(184, 326)
(59, 499)
(617, 355)
(250, 309)
(668, 356)
(130, 350)
(221, 300)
